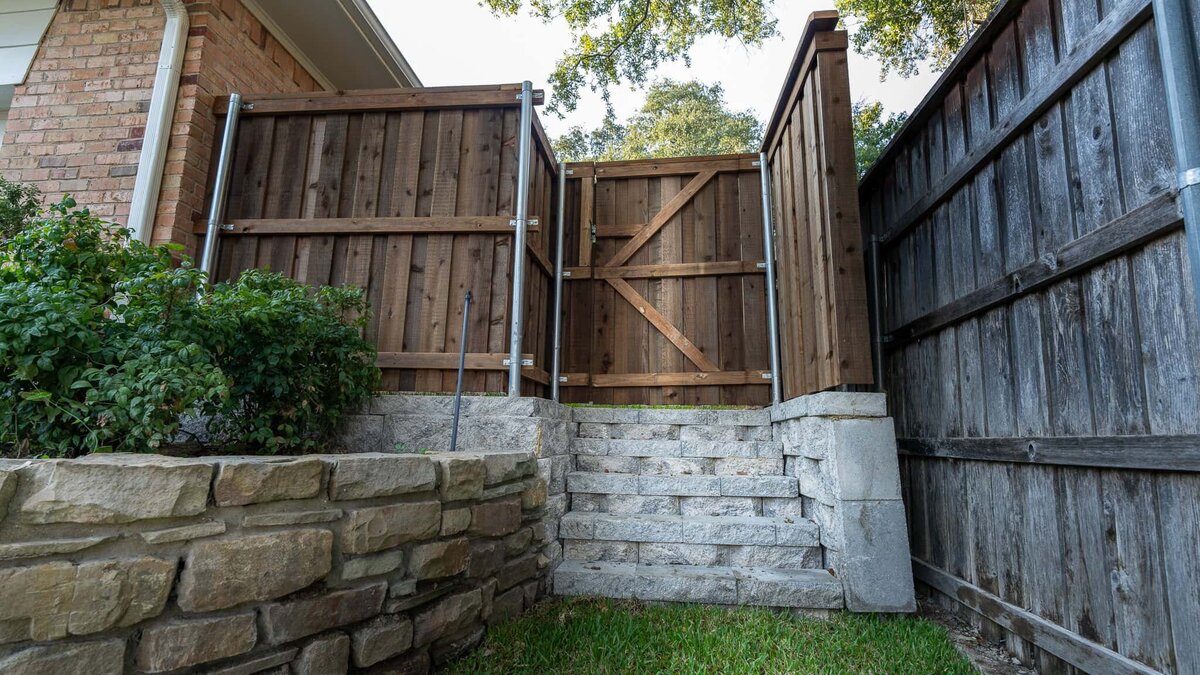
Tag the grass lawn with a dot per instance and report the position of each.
(610, 636)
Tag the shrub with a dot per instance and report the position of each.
(19, 204)
(97, 349)
(295, 357)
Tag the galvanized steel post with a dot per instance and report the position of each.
(517, 326)
(1181, 74)
(216, 208)
(556, 365)
(769, 255)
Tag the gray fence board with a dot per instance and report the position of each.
(1044, 353)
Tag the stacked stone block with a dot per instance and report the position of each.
(692, 506)
(409, 423)
(322, 564)
(842, 449)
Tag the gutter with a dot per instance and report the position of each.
(144, 205)
(1181, 74)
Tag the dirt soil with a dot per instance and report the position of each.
(987, 657)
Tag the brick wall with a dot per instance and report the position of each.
(76, 125)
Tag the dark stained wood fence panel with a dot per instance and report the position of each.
(309, 165)
(1044, 351)
(824, 340)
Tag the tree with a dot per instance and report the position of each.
(872, 132)
(624, 41)
(678, 119)
(903, 33)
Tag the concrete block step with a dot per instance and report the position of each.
(682, 485)
(674, 432)
(678, 466)
(675, 416)
(666, 505)
(627, 447)
(730, 530)
(765, 587)
(719, 555)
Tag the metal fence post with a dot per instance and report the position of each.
(216, 208)
(877, 336)
(556, 366)
(769, 254)
(462, 363)
(1181, 74)
(517, 327)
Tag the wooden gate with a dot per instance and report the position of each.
(665, 299)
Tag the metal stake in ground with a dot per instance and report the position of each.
(216, 209)
(462, 364)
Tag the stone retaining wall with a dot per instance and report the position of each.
(308, 565)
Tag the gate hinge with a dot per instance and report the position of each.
(766, 376)
(566, 274)
(757, 162)
(563, 379)
(228, 227)
(570, 172)
(532, 222)
(761, 265)
(247, 106)
(525, 363)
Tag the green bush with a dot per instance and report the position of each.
(19, 204)
(296, 361)
(96, 339)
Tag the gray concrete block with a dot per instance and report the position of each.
(662, 553)
(589, 446)
(864, 459)
(583, 414)
(720, 506)
(602, 483)
(815, 480)
(663, 505)
(606, 464)
(808, 436)
(756, 417)
(675, 466)
(637, 528)
(759, 486)
(642, 448)
(776, 557)
(577, 526)
(875, 564)
(831, 404)
(585, 503)
(740, 531)
(742, 466)
(676, 416)
(778, 507)
(644, 432)
(814, 589)
(592, 430)
(718, 449)
(799, 532)
(655, 583)
(600, 551)
(683, 486)
(712, 432)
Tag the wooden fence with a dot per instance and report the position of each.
(1043, 344)
(664, 302)
(407, 194)
(823, 330)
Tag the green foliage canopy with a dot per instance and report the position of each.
(872, 132)
(678, 119)
(623, 41)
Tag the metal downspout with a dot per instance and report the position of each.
(556, 365)
(772, 298)
(1181, 74)
(144, 204)
(517, 326)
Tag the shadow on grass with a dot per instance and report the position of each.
(608, 636)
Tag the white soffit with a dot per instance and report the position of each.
(22, 25)
(340, 42)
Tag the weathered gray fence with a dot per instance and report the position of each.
(1041, 340)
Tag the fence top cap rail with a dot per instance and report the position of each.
(980, 41)
(822, 21)
(359, 99)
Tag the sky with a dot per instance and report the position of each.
(458, 42)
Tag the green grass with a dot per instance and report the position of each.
(608, 636)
